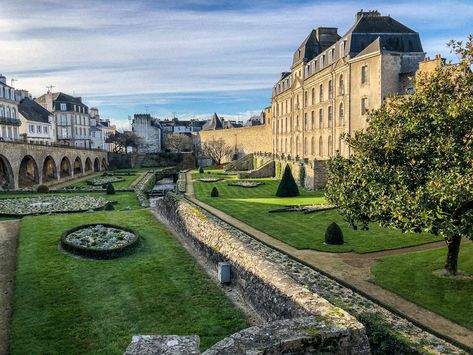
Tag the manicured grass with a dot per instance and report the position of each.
(128, 180)
(410, 275)
(68, 305)
(212, 173)
(302, 231)
(123, 199)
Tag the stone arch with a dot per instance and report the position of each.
(104, 164)
(66, 169)
(78, 166)
(88, 165)
(7, 179)
(49, 169)
(28, 173)
(96, 164)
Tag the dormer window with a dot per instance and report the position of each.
(63, 107)
(342, 49)
(299, 54)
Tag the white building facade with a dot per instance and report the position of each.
(37, 123)
(149, 130)
(9, 122)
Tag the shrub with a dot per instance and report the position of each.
(287, 187)
(214, 192)
(42, 189)
(110, 189)
(109, 207)
(334, 234)
(201, 170)
(302, 175)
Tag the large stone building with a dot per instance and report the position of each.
(9, 122)
(149, 130)
(71, 116)
(335, 80)
(100, 130)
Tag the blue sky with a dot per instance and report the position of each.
(185, 57)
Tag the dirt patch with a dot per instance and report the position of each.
(8, 246)
(460, 276)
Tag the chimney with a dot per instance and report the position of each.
(361, 13)
(326, 36)
(3, 79)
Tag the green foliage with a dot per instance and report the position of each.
(411, 168)
(287, 186)
(334, 234)
(201, 170)
(302, 175)
(109, 207)
(42, 189)
(278, 170)
(110, 189)
(214, 192)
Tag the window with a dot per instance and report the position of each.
(322, 58)
(306, 99)
(330, 146)
(321, 93)
(341, 114)
(330, 89)
(312, 146)
(364, 105)
(38, 129)
(45, 130)
(63, 107)
(321, 118)
(31, 128)
(313, 96)
(364, 74)
(330, 116)
(313, 119)
(341, 85)
(321, 146)
(306, 123)
(342, 49)
(13, 113)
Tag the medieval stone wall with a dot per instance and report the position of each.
(244, 140)
(264, 285)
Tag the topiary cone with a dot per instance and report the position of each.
(287, 187)
(334, 234)
(214, 192)
(110, 189)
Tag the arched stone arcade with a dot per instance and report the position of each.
(49, 170)
(28, 174)
(7, 181)
(27, 165)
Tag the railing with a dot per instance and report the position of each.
(10, 121)
(57, 145)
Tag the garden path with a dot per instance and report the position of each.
(8, 245)
(353, 270)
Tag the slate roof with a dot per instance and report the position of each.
(33, 111)
(214, 123)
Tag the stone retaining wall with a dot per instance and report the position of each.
(272, 293)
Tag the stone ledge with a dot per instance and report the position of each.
(163, 345)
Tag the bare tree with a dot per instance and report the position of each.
(124, 140)
(216, 150)
(178, 142)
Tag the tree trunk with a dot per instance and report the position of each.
(453, 246)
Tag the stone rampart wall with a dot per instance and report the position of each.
(272, 293)
(244, 140)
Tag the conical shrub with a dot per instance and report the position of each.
(214, 192)
(287, 187)
(334, 234)
(201, 170)
(110, 189)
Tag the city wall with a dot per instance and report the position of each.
(244, 140)
(263, 284)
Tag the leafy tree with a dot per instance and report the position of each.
(124, 140)
(216, 150)
(287, 187)
(412, 167)
(178, 142)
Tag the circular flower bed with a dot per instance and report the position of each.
(101, 241)
(210, 179)
(247, 184)
(49, 204)
(99, 181)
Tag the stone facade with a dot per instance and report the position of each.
(243, 140)
(264, 285)
(26, 165)
(9, 121)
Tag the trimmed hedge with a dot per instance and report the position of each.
(110, 189)
(214, 192)
(334, 235)
(287, 187)
(99, 253)
(42, 189)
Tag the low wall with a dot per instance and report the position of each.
(244, 140)
(264, 285)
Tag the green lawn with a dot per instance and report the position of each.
(123, 199)
(68, 305)
(212, 173)
(410, 275)
(302, 231)
(117, 185)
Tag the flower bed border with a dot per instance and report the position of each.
(238, 184)
(118, 179)
(289, 209)
(210, 180)
(57, 212)
(99, 253)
